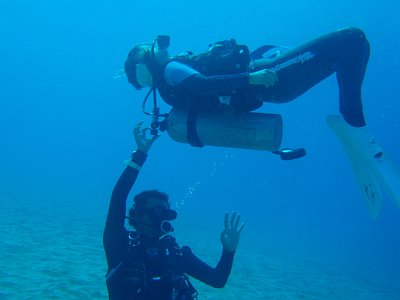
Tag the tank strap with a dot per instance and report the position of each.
(192, 136)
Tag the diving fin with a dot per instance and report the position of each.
(371, 166)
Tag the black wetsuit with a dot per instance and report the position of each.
(345, 52)
(116, 244)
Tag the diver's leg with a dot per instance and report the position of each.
(345, 52)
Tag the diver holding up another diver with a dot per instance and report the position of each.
(148, 263)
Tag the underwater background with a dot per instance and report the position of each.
(66, 127)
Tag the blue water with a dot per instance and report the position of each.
(65, 125)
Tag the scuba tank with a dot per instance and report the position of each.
(246, 130)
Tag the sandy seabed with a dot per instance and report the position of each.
(55, 251)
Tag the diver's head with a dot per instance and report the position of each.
(144, 60)
(151, 213)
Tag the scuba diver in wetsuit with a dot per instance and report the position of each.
(218, 90)
(268, 74)
(148, 263)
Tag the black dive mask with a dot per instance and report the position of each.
(160, 216)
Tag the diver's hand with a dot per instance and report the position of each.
(143, 143)
(231, 233)
(263, 77)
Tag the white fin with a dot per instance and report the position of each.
(366, 154)
(367, 183)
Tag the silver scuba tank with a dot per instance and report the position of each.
(247, 130)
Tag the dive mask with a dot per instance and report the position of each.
(157, 214)
(139, 55)
(161, 216)
(144, 54)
